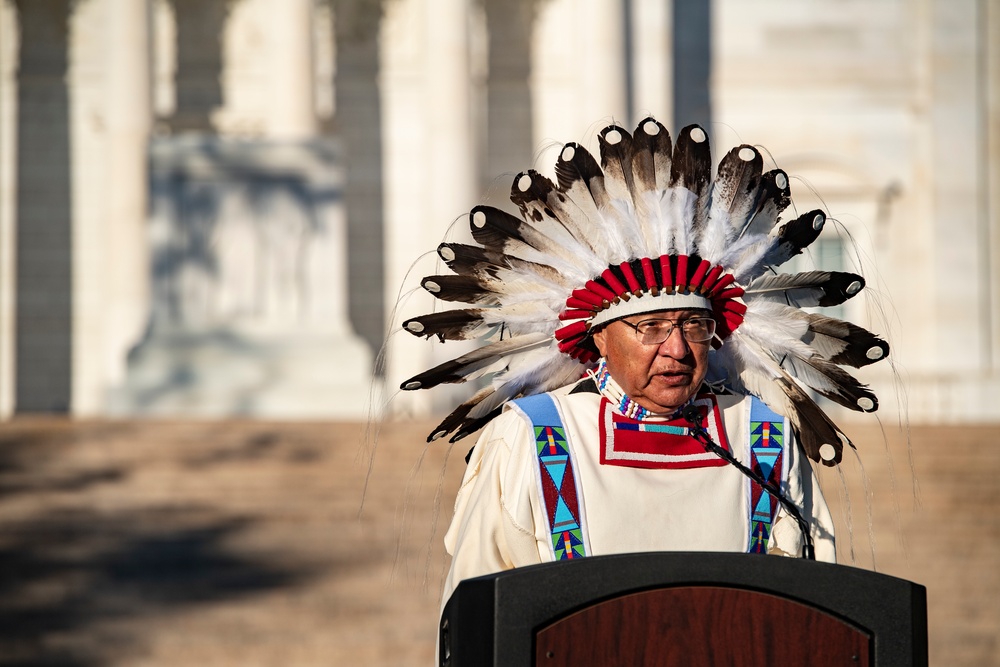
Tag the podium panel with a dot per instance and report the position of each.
(701, 625)
(691, 609)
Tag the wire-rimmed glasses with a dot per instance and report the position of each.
(655, 331)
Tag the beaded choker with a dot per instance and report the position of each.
(610, 390)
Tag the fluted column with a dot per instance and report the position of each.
(8, 188)
(293, 114)
(578, 71)
(651, 50)
(129, 114)
(430, 168)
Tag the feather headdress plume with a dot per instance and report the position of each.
(648, 229)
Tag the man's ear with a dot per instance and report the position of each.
(600, 342)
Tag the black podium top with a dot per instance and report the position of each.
(495, 620)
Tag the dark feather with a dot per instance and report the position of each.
(581, 167)
(775, 196)
(831, 381)
(807, 289)
(812, 427)
(470, 426)
(580, 200)
(691, 168)
(651, 149)
(793, 236)
(448, 324)
(616, 160)
(737, 186)
(492, 227)
(468, 365)
(470, 259)
(460, 422)
(844, 343)
(545, 231)
(758, 374)
(538, 191)
(459, 415)
(465, 289)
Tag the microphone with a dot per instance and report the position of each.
(692, 415)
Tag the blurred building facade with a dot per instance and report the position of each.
(207, 207)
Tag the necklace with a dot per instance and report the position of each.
(610, 389)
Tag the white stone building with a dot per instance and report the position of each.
(207, 206)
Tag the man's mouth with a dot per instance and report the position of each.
(673, 378)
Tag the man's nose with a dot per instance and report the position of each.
(675, 346)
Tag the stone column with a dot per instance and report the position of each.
(956, 137)
(44, 271)
(129, 114)
(578, 72)
(651, 52)
(430, 173)
(293, 114)
(991, 111)
(8, 188)
(602, 77)
(451, 175)
(449, 155)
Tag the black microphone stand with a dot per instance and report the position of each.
(693, 417)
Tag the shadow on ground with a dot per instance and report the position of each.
(65, 577)
(92, 547)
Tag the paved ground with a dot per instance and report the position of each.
(240, 543)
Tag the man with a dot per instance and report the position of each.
(659, 286)
(658, 361)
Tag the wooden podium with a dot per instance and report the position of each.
(691, 609)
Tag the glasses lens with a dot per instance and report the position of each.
(698, 329)
(654, 332)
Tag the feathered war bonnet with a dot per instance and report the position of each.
(645, 230)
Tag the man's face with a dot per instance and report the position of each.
(660, 377)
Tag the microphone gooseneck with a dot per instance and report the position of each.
(692, 415)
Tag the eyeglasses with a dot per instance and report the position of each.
(654, 332)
